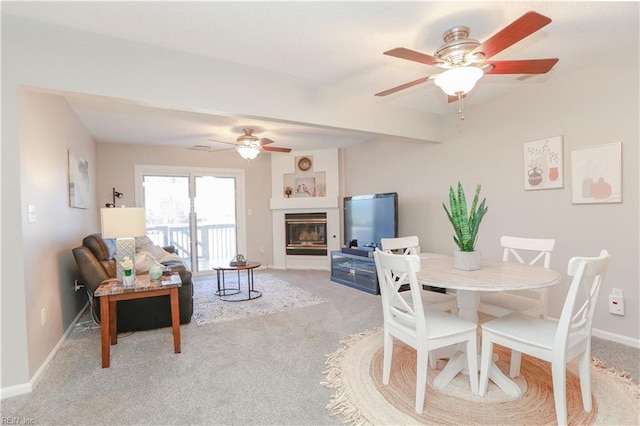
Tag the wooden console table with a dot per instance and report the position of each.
(112, 291)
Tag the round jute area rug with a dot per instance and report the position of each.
(354, 372)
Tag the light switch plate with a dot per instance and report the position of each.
(31, 213)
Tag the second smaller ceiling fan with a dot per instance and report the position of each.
(249, 146)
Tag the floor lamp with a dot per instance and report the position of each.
(123, 224)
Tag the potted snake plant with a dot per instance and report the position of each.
(465, 224)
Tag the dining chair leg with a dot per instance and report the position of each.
(388, 353)
(514, 366)
(421, 379)
(472, 364)
(485, 364)
(584, 369)
(433, 361)
(558, 373)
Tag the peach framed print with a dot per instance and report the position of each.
(543, 167)
(596, 174)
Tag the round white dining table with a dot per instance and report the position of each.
(494, 275)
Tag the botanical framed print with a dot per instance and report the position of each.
(78, 181)
(543, 165)
(596, 174)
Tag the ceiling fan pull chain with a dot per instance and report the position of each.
(460, 106)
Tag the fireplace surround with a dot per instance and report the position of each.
(282, 165)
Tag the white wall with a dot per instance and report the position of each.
(487, 148)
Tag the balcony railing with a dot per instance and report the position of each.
(215, 243)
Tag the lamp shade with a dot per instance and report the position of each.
(123, 222)
(458, 80)
(248, 152)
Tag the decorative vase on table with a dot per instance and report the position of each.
(155, 272)
(128, 275)
(465, 224)
(128, 279)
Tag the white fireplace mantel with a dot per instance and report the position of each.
(304, 203)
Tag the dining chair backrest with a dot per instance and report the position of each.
(577, 312)
(403, 245)
(532, 251)
(556, 342)
(538, 249)
(411, 246)
(406, 320)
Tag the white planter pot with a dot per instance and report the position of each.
(467, 260)
(129, 281)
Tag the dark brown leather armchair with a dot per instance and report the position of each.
(95, 258)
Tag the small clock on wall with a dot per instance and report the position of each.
(304, 164)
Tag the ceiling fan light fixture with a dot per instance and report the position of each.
(248, 152)
(458, 81)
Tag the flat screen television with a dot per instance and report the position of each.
(368, 218)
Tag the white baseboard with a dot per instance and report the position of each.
(613, 337)
(25, 388)
(15, 390)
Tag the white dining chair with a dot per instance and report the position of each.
(555, 342)
(433, 299)
(534, 251)
(421, 328)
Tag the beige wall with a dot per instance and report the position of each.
(48, 130)
(115, 169)
(487, 148)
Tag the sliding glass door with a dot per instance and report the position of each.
(215, 220)
(196, 211)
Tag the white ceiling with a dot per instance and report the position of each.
(330, 45)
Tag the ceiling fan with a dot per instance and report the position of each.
(249, 146)
(464, 61)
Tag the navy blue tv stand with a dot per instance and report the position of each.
(357, 271)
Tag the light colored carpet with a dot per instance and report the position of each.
(261, 370)
(355, 374)
(277, 295)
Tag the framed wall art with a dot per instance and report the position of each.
(78, 181)
(305, 187)
(543, 166)
(596, 174)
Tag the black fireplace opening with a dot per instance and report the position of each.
(306, 234)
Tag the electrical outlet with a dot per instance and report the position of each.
(43, 317)
(616, 302)
(261, 249)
